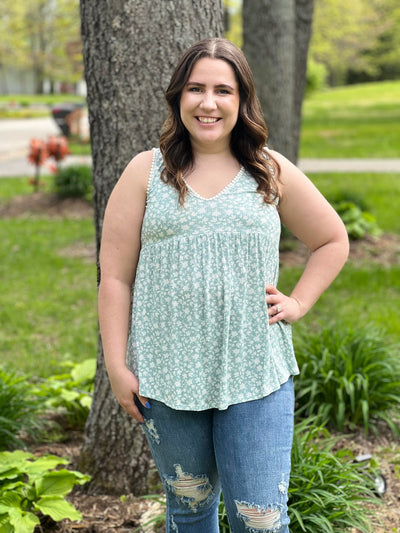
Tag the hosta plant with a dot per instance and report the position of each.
(31, 487)
(349, 377)
(70, 392)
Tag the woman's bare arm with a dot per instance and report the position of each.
(308, 215)
(119, 254)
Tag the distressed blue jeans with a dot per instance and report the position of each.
(245, 450)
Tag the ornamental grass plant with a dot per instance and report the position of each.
(329, 492)
(18, 411)
(349, 377)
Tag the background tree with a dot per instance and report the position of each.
(342, 31)
(129, 49)
(276, 36)
(38, 35)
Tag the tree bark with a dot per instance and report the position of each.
(130, 48)
(275, 42)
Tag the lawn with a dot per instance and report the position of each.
(352, 121)
(48, 291)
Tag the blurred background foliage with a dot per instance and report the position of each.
(352, 42)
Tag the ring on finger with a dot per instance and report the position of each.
(278, 308)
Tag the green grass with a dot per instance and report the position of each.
(48, 300)
(378, 193)
(353, 121)
(39, 99)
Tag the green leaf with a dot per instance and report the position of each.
(84, 371)
(86, 401)
(11, 460)
(57, 508)
(5, 526)
(44, 463)
(9, 500)
(23, 522)
(57, 483)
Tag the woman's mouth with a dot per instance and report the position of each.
(208, 120)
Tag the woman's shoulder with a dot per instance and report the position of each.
(140, 165)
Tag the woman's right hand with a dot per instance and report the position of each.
(125, 387)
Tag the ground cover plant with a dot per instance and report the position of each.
(352, 121)
(31, 487)
(350, 377)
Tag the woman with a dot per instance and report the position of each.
(194, 227)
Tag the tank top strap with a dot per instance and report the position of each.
(155, 171)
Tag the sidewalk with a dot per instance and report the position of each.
(16, 164)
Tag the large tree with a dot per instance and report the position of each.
(276, 36)
(129, 49)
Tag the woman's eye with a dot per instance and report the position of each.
(194, 89)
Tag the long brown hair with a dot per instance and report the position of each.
(248, 137)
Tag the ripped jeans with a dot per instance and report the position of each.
(245, 450)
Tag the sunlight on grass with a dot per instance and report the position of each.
(352, 121)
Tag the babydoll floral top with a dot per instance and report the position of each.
(200, 336)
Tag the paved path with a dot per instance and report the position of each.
(16, 134)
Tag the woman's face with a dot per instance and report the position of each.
(209, 104)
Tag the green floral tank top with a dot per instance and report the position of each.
(200, 336)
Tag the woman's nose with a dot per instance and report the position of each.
(208, 101)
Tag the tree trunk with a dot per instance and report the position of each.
(304, 14)
(275, 42)
(130, 48)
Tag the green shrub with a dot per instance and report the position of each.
(316, 77)
(358, 223)
(328, 491)
(30, 487)
(18, 411)
(349, 377)
(74, 181)
(70, 392)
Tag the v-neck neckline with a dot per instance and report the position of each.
(227, 186)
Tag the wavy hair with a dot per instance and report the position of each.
(248, 137)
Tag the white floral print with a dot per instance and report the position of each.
(200, 336)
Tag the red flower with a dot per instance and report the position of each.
(38, 152)
(57, 147)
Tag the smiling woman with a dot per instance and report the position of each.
(206, 362)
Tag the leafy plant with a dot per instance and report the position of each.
(358, 223)
(349, 377)
(18, 411)
(71, 392)
(30, 487)
(74, 181)
(328, 491)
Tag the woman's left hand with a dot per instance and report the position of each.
(282, 307)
